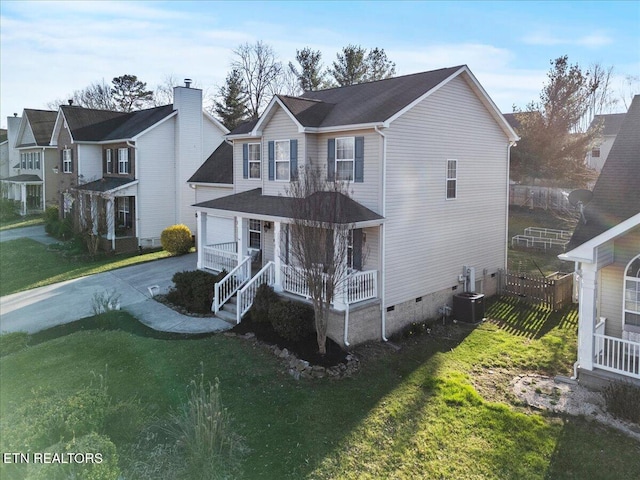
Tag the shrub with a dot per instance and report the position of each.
(291, 320)
(265, 297)
(193, 290)
(56, 227)
(202, 430)
(9, 209)
(13, 342)
(102, 466)
(176, 239)
(622, 401)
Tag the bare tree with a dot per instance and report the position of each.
(260, 70)
(601, 99)
(319, 241)
(97, 95)
(629, 88)
(163, 94)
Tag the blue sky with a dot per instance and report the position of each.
(49, 49)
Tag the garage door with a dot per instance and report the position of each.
(220, 230)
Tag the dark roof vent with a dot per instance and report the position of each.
(70, 101)
(15, 114)
(188, 82)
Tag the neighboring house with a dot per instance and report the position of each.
(4, 154)
(125, 174)
(606, 250)
(609, 126)
(427, 161)
(31, 180)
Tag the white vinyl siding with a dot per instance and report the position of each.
(429, 239)
(89, 162)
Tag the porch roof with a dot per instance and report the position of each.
(105, 184)
(254, 203)
(23, 179)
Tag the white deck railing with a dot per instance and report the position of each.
(616, 354)
(547, 232)
(220, 256)
(247, 293)
(229, 285)
(358, 286)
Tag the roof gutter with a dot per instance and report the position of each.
(383, 271)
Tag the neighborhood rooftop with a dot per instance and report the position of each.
(218, 168)
(610, 123)
(616, 195)
(42, 122)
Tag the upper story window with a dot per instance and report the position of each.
(123, 161)
(30, 156)
(36, 160)
(345, 158)
(108, 154)
(282, 158)
(67, 160)
(632, 293)
(23, 160)
(253, 152)
(452, 179)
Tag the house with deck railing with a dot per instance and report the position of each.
(605, 247)
(425, 158)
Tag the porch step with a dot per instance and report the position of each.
(227, 316)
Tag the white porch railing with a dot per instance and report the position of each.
(358, 286)
(616, 354)
(247, 293)
(229, 285)
(220, 256)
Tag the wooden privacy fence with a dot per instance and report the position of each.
(554, 291)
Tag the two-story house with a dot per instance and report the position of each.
(426, 159)
(608, 126)
(605, 248)
(32, 180)
(125, 174)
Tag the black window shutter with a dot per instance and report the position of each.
(272, 166)
(129, 159)
(359, 154)
(71, 156)
(245, 160)
(293, 164)
(331, 159)
(357, 248)
(104, 160)
(61, 161)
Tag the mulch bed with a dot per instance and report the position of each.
(306, 349)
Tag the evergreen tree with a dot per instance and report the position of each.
(379, 66)
(310, 75)
(232, 108)
(129, 93)
(350, 67)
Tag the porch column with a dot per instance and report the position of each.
(339, 300)
(94, 214)
(587, 315)
(242, 241)
(201, 230)
(23, 198)
(276, 253)
(111, 223)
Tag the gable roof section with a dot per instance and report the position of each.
(90, 125)
(218, 168)
(253, 202)
(373, 103)
(41, 123)
(106, 184)
(616, 195)
(610, 123)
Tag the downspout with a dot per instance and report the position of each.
(383, 271)
(506, 233)
(136, 176)
(44, 181)
(346, 326)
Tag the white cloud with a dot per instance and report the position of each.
(546, 38)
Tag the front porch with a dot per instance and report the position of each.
(617, 355)
(26, 189)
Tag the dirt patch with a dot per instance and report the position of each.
(547, 394)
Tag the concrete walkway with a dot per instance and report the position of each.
(35, 232)
(65, 302)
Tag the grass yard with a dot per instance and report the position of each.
(438, 408)
(26, 264)
(525, 259)
(28, 221)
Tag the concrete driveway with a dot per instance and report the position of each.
(68, 301)
(35, 232)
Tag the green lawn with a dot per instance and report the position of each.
(425, 411)
(525, 259)
(28, 221)
(26, 264)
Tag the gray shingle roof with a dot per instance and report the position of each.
(616, 195)
(3, 135)
(91, 125)
(42, 123)
(610, 123)
(218, 168)
(245, 127)
(23, 178)
(105, 184)
(253, 202)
